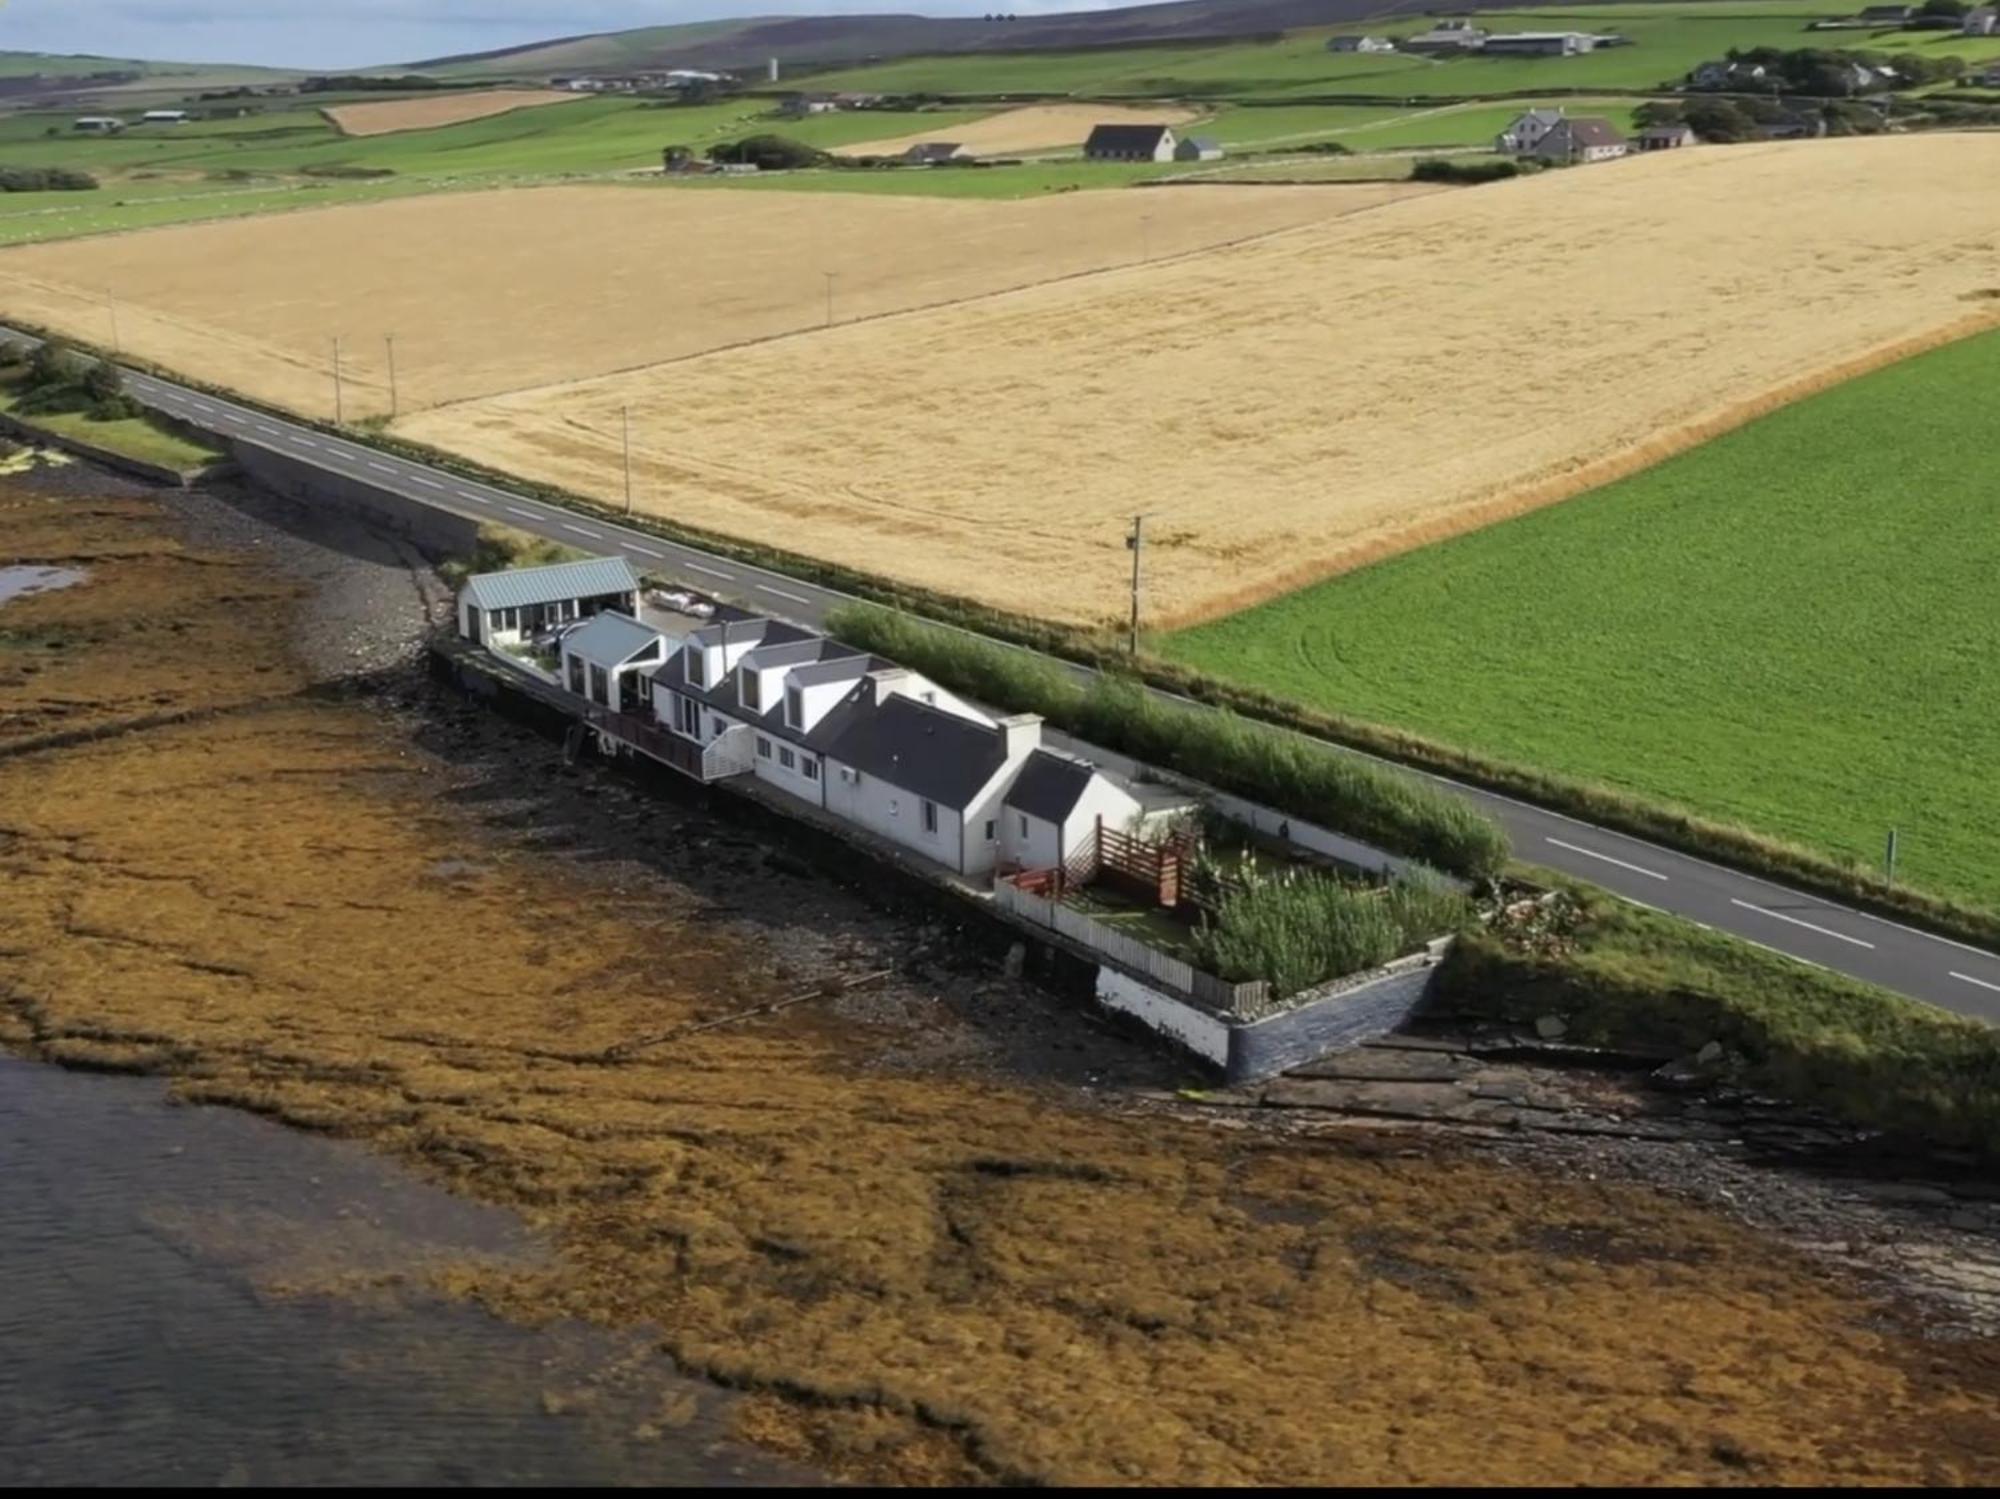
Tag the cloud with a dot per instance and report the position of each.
(332, 34)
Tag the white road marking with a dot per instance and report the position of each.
(269, 431)
(583, 531)
(427, 483)
(380, 468)
(307, 442)
(646, 551)
(1591, 853)
(1966, 978)
(696, 567)
(516, 510)
(1776, 952)
(198, 406)
(1633, 900)
(1781, 916)
(795, 598)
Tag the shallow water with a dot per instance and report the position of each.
(20, 580)
(157, 1322)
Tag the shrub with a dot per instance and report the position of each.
(769, 153)
(1294, 934)
(1301, 776)
(45, 180)
(1444, 169)
(102, 382)
(55, 366)
(345, 170)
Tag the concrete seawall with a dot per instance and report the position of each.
(434, 531)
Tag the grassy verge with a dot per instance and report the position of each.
(136, 437)
(1621, 976)
(1305, 779)
(1661, 821)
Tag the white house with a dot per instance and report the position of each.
(610, 660)
(1577, 141)
(1050, 812)
(1130, 143)
(1527, 131)
(500, 608)
(1981, 20)
(1360, 44)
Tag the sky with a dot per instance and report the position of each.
(331, 34)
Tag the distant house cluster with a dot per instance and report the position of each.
(1561, 139)
(1461, 37)
(801, 106)
(639, 83)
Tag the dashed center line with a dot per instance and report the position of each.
(696, 567)
(1966, 978)
(647, 551)
(583, 531)
(427, 483)
(795, 598)
(1781, 916)
(380, 468)
(269, 431)
(307, 442)
(1591, 853)
(515, 510)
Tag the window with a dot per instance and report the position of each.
(763, 748)
(787, 759)
(600, 685)
(1024, 824)
(687, 717)
(576, 675)
(694, 666)
(930, 817)
(795, 707)
(811, 768)
(748, 686)
(716, 725)
(992, 830)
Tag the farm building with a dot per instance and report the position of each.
(1886, 15)
(1198, 148)
(1981, 20)
(1360, 44)
(800, 105)
(164, 117)
(1130, 143)
(1526, 131)
(1539, 44)
(99, 125)
(1664, 138)
(1447, 36)
(497, 608)
(610, 661)
(1579, 141)
(932, 153)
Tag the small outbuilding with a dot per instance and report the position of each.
(933, 153)
(1198, 148)
(1665, 138)
(610, 660)
(1360, 44)
(164, 117)
(1130, 143)
(1049, 815)
(501, 608)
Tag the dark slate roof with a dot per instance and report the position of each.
(724, 698)
(1591, 131)
(920, 749)
(932, 151)
(850, 663)
(1049, 786)
(1125, 138)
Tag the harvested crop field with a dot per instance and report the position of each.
(1034, 127)
(931, 1261)
(1292, 407)
(493, 291)
(391, 115)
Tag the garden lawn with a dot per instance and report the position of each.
(1795, 626)
(135, 437)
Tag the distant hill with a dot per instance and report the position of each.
(37, 76)
(745, 44)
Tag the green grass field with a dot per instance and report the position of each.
(135, 437)
(1793, 626)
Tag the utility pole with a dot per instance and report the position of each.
(390, 340)
(830, 275)
(1136, 541)
(1890, 858)
(625, 415)
(339, 411)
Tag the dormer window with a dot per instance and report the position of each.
(795, 707)
(694, 666)
(747, 686)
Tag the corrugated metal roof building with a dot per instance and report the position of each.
(523, 600)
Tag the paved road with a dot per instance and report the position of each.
(1936, 969)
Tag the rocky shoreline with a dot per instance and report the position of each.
(1080, 1260)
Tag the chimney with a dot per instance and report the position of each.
(1023, 732)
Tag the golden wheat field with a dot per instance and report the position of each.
(491, 291)
(1288, 407)
(389, 115)
(1034, 127)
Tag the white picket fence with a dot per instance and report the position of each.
(1099, 938)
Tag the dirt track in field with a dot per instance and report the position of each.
(1298, 405)
(390, 115)
(1034, 127)
(494, 291)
